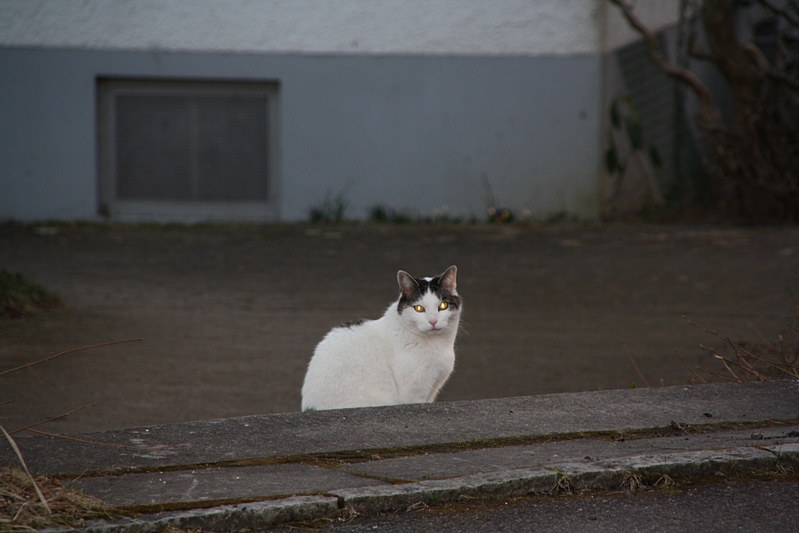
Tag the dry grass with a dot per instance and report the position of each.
(28, 503)
(744, 360)
(21, 508)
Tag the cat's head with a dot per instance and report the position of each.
(431, 305)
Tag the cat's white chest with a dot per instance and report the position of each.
(422, 367)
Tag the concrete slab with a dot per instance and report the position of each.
(785, 452)
(225, 518)
(216, 484)
(612, 474)
(400, 497)
(439, 466)
(587, 463)
(472, 449)
(753, 506)
(258, 437)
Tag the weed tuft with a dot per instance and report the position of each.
(383, 213)
(20, 296)
(332, 208)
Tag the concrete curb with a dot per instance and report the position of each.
(615, 474)
(327, 465)
(223, 518)
(604, 475)
(368, 500)
(266, 437)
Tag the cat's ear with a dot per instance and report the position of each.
(449, 278)
(406, 282)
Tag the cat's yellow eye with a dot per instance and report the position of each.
(418, 308)
(442, 306)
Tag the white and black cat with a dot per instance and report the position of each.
(405, 356)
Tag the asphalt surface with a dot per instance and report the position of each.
(751, 506)
(230, 314)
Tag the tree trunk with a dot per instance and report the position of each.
(738, 63)
(754, 163)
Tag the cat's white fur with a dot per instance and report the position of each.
(398, 358)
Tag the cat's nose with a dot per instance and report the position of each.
(433, 321)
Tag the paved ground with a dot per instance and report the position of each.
(753, 506)
(230, 314)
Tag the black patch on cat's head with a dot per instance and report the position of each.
(350, 323)
(412, 289)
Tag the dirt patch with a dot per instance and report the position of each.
(230, 314)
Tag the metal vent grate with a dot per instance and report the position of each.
(654, 95)
(184, 147)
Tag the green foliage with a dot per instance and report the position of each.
(634, 131)
(382, 213)
(654, 157)
(332, 208)
(612, 161)
(624, 117)
(379, 213)
(19, 296)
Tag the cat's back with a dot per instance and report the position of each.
(349, 338)
(349, 368)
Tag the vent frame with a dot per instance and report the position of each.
(255, 199)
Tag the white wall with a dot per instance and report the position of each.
(514, 27)
(505, 27)
(417, 132)
(383, 98)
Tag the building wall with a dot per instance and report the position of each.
(404, 103)
(465, 27)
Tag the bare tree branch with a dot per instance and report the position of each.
(59, 417)
(25, 466)
(689, 367)
(779, 76)
(777, 10)
(640, 375)
(707, 112)
(50, 358)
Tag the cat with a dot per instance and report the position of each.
(405, 356)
